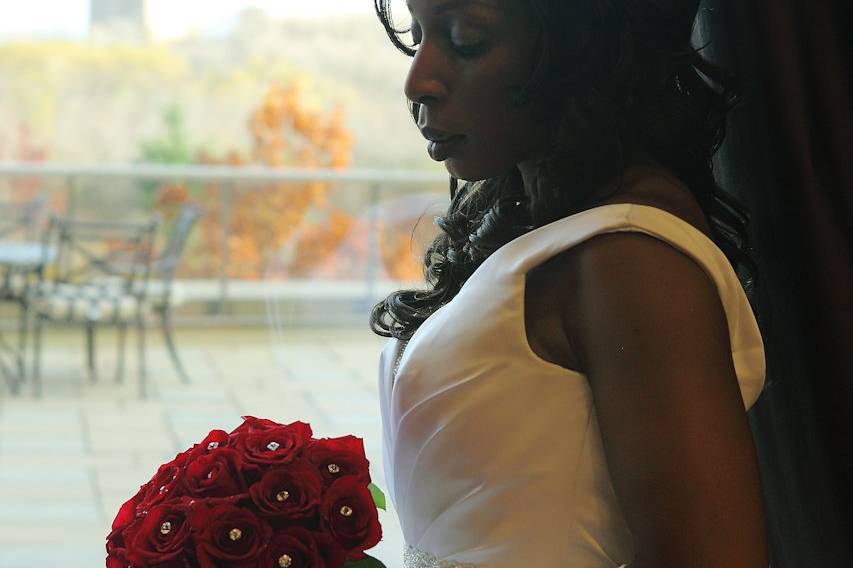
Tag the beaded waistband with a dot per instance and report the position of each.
(414, 558)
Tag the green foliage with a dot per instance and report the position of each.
(378, 496)
(173, 148)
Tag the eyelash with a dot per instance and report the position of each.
(463, 51)
(467, 51)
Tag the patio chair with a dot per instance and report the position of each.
(20, 234)
(89, 285)
(20, 223)
(164, 294)
(20, 220)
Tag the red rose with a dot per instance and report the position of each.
(298, 547)
(337, 457)
(288, 492)
(214, 440)
(117, 558)
(160, 539)
(119, 538)
(216, 474)
(115, 540)
(121, 541)
(227, 535)
(252, 424)
(265, 494)
(166, 482)
(126, 515)
(180, 460)
(350, 516)
(274, 446)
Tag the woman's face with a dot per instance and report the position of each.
(471, 56)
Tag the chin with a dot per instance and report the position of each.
(471, 172)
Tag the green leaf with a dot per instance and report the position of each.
(378, 496)
(368, 562)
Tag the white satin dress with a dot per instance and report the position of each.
(492, 455)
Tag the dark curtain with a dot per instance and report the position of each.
(789, 157)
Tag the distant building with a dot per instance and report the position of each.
(118, 19)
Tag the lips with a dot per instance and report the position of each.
(436, 135)
(441, 143)
(440, 150)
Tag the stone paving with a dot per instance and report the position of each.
(71, 458)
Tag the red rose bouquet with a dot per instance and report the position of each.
(265, 495)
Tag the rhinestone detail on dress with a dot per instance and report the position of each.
(414, 558)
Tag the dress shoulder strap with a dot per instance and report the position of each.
(539, 245)
(519, 256)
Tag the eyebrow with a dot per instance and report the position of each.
(456, 4)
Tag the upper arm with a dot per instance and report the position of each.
(652, 333)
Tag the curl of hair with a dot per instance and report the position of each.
(619, 77)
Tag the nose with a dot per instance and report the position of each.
(425, 84)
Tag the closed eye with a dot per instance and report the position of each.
(468, 51)
(465, 51)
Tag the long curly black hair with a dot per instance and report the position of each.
(612, 76)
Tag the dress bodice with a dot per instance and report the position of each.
(493, 455)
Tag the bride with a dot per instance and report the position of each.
(571, 389)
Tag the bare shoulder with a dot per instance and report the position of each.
(642, 293)
(633, 278)
(651, 331)
(551, 285)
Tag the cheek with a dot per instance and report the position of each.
(504, 136)
(500, 133)
(500, 120)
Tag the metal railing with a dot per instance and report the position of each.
(372, 187)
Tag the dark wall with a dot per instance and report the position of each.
(806, 495)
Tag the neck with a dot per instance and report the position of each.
(639, 165)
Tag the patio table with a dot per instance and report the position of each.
(18, 261)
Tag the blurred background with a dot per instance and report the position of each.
(200, 202)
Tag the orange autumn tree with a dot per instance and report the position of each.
(285, 132)
(266, 218)
(396, 252)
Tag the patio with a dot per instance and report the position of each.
(70, 459)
